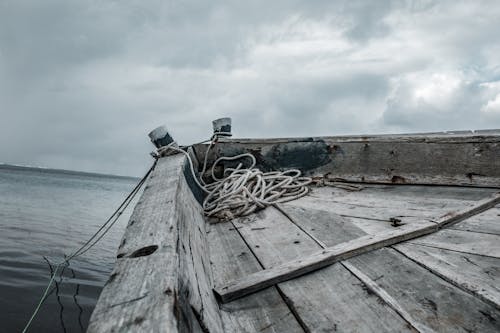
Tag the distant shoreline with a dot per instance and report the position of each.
(4, 166)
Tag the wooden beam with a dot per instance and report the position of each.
(315, 299)
(413, 288)
(251, 314)
(269, 277)
(487, 222)
(479, 207)
(466, 159)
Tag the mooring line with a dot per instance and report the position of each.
(96, 237)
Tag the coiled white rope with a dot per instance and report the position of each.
(242, 191)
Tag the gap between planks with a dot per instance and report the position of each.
(455, 280)
(289, 304)
(330, 255)
(369, 283)
(453, 250)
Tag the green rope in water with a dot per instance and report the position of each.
(42, 299)
(96, 237)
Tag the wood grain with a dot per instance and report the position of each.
(328, 256)
(327, 300)
(476, 274)
(421, 296)
(264, 311)
(135, 297)
(161, 281)
(465, 158)
(486, 222)
(463, 241)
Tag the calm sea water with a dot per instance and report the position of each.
(48, 214)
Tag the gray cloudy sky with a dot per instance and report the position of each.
(82, 82)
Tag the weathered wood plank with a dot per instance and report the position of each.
(160, 190)
(387, 298)
(371, 226)
(317, 260)
(429, 195)
(135, 297)
(329, 229)
(264, 311)
(480, 206)
(407, 203)
(477, 274)
(360, 210)
(487, 222)
(327, 300)
(407, 287)
(160, 281)
(196, 298)
(328, 256)
(335, 229)
(436, 137)
(463, 241)
(433, 301)
(468, 160)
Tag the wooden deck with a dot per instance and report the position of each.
(445, 282)
(448, 280)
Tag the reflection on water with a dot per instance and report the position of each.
(44, 215)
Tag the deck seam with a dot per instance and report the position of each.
(284, 213)
(248, 245)
(427, 219)
(349, 267)
(447, 249)
(285, 299)
(369, 283)
(385, 297)
(422, 184)
(445, 278)
(474, 231)
(326, 257)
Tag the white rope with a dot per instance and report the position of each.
(242, 191)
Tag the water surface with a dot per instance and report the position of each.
(47, 213)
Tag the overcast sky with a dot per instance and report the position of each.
(83, 82)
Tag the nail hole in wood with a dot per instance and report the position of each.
(145, 251)
(398, 180)
(138, 320)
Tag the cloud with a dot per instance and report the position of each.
(81, 83)
(434, 101)
(493, 105)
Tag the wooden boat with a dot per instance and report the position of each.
(401, 234)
